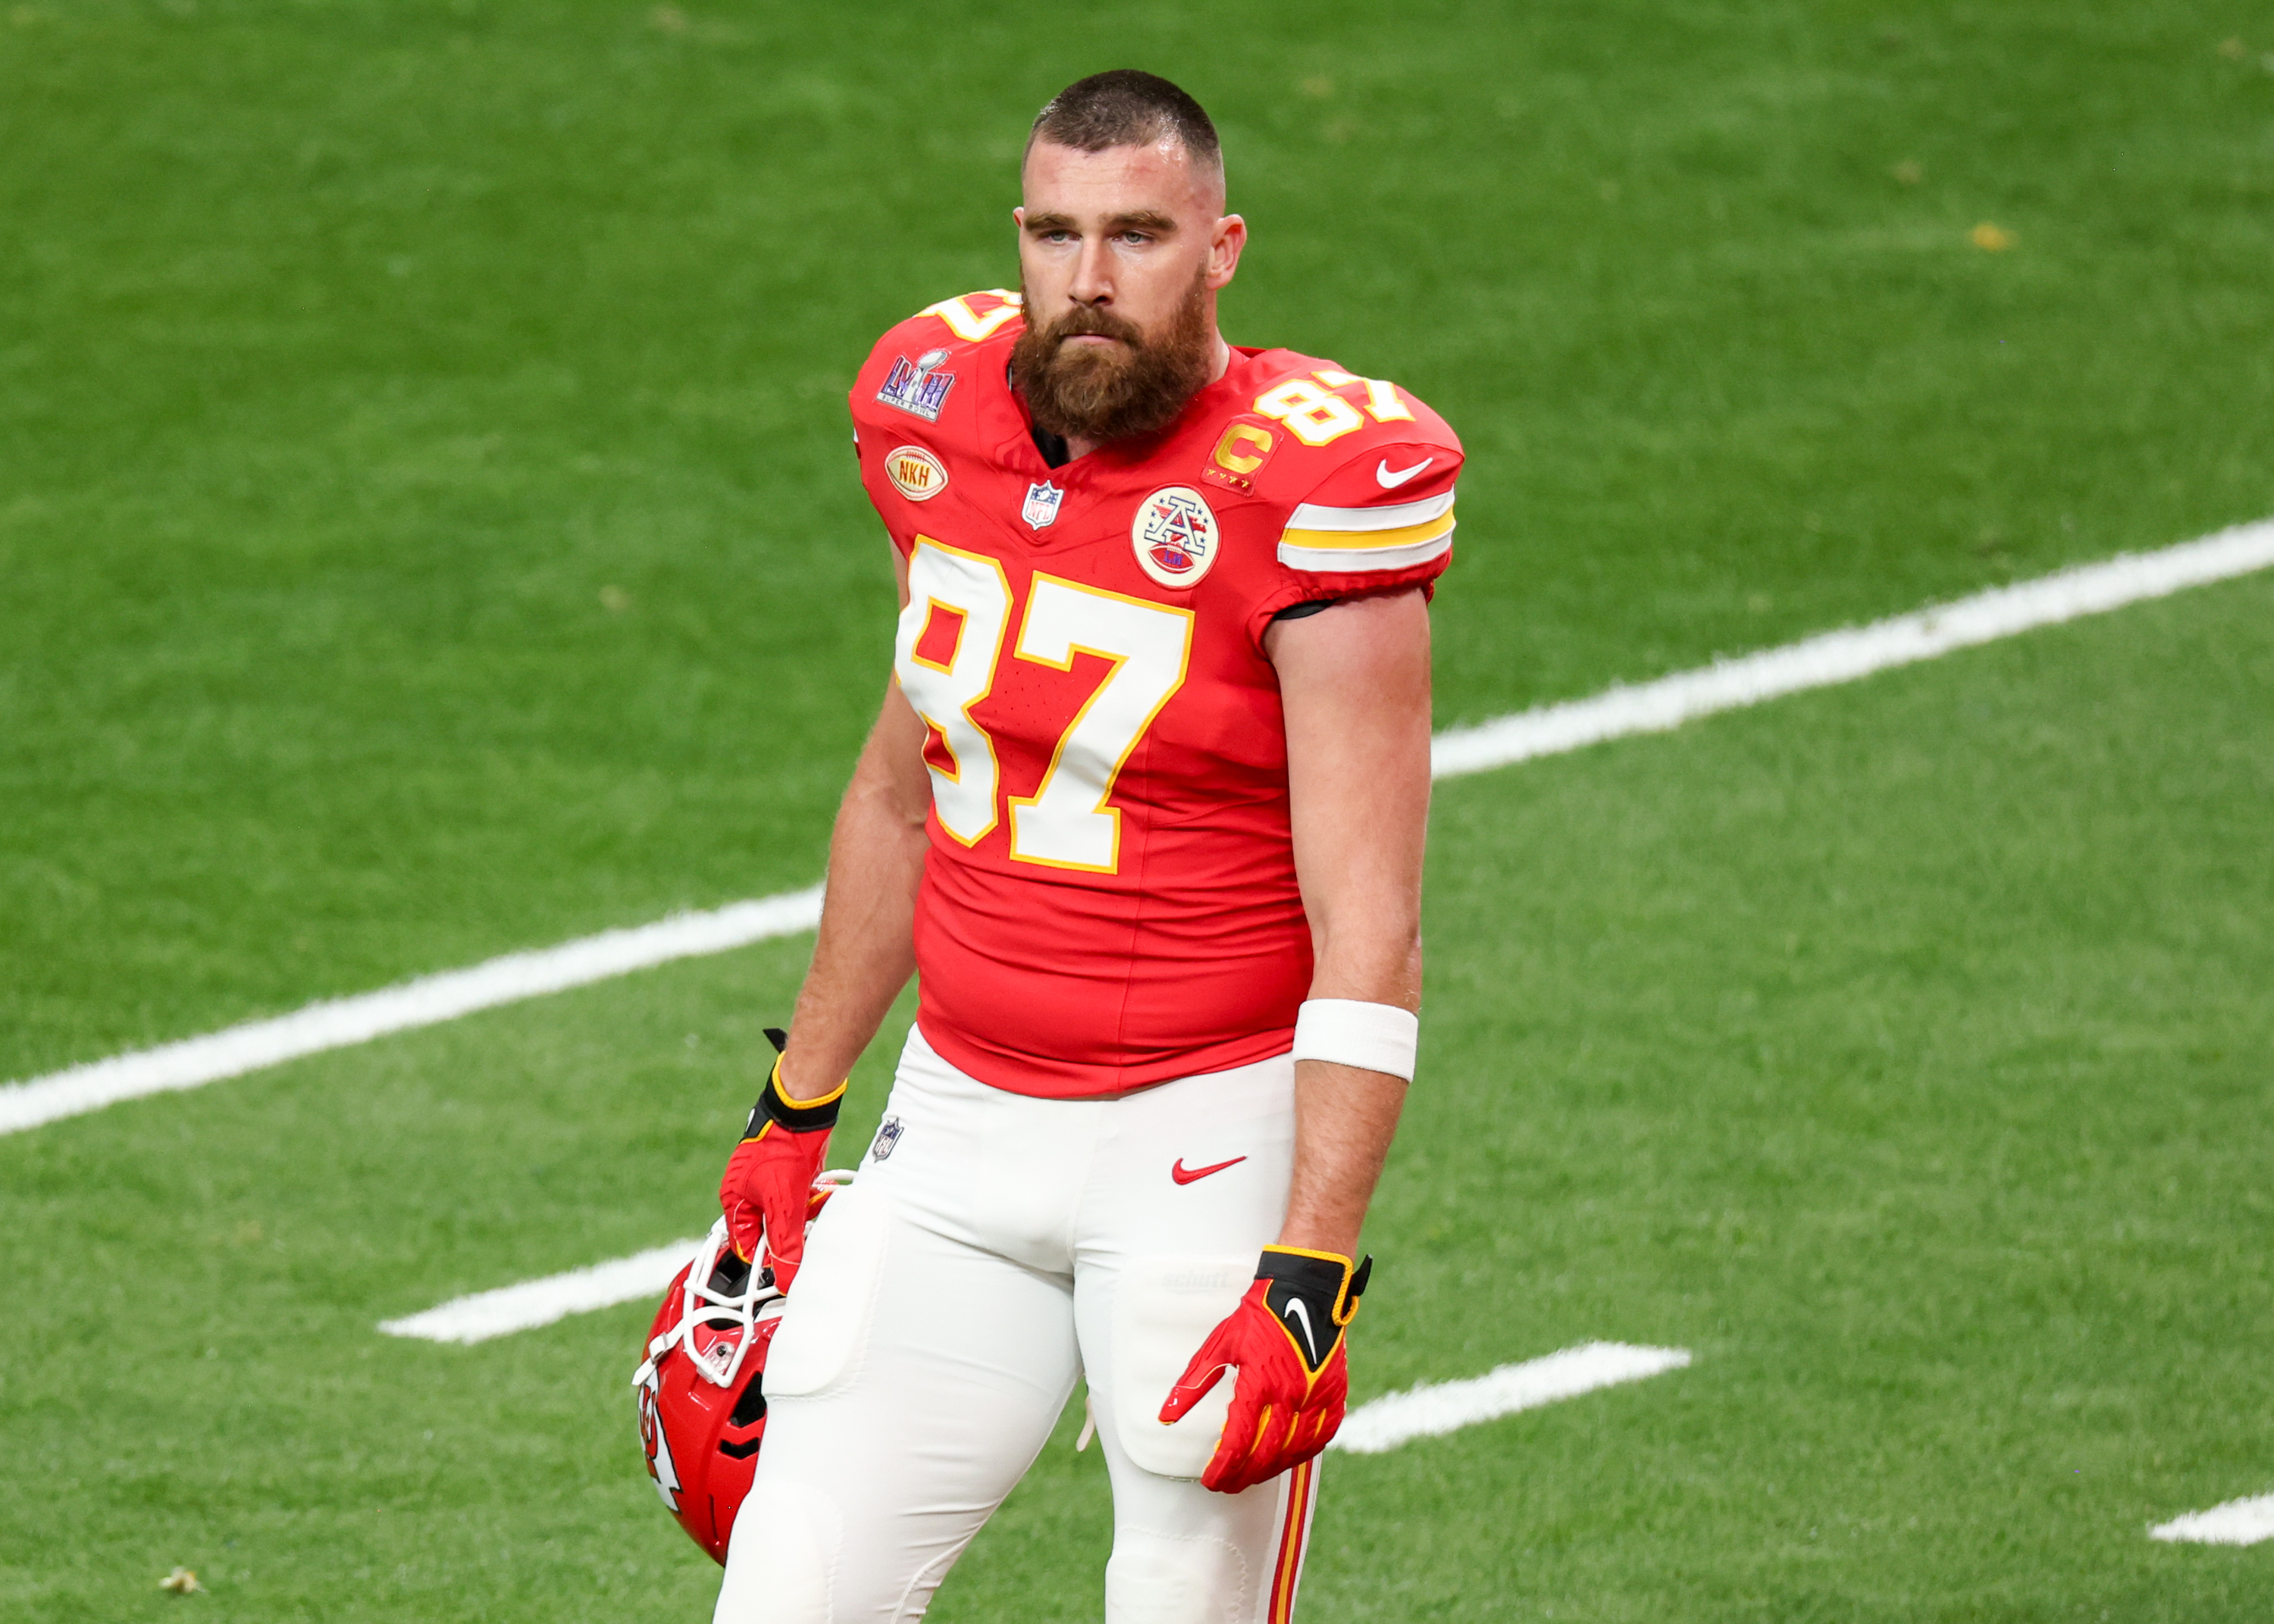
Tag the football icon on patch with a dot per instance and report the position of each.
(1175, 536)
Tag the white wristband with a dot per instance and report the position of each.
(1379, 1037)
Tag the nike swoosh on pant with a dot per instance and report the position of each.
(1184, 1175)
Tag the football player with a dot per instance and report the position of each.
(1144, 809)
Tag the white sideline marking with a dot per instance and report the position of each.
(534, 1302)
(2237, 1523)
(1439, 1407)
(425, 1002)
(1844, 656)
(1548, 730)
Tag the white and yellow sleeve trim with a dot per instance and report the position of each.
(1356, 540)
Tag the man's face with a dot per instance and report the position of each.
(1121, 253)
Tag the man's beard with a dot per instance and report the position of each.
(1103, 392)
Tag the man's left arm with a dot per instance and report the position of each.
(1354, 683)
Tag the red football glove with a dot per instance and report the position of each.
(768, 1189)
(1286, 1339)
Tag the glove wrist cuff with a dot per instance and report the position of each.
(801, 1117)
(1326, 1278)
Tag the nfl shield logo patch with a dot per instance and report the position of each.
(1042, 507)
(1175, 536)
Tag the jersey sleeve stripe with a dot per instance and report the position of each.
(1320, 540)
(1343, 559)
(1311, 517)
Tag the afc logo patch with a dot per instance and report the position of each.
(888, 1137)
(1175, 536)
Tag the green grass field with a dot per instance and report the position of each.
(429, 532)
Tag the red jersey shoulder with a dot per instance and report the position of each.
(1357, 475)
(914, 371)
(1314, 431)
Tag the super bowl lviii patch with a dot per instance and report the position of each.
(915, 472)
(1174, 536)
(918, 386)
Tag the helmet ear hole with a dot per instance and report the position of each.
(750, 1406)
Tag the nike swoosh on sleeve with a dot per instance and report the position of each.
(1390, 481)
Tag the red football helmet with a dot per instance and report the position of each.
(702, 1406)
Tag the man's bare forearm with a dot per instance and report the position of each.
(1345, 1117)
(866, 950)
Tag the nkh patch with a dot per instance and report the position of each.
(918, 386)
(888, 1136)
(1174, 536)
(1041, 508)
(915, 472)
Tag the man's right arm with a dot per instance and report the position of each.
(865, 955)
(866, 950)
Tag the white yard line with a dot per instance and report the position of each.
(1842, 656)
(425, 1002)
(2237, 1523)
(1548, 730)
(477, 1319)
(1434, 1408)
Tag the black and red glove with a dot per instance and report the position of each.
(1286, 1340)
(768, 1192)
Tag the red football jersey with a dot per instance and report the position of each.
(1109, 898)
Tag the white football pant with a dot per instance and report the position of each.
(992, 1248)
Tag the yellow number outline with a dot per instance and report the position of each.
(1103, 806)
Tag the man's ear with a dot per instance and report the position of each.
(1224, 247)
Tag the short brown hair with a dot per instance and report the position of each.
(1126, 107)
